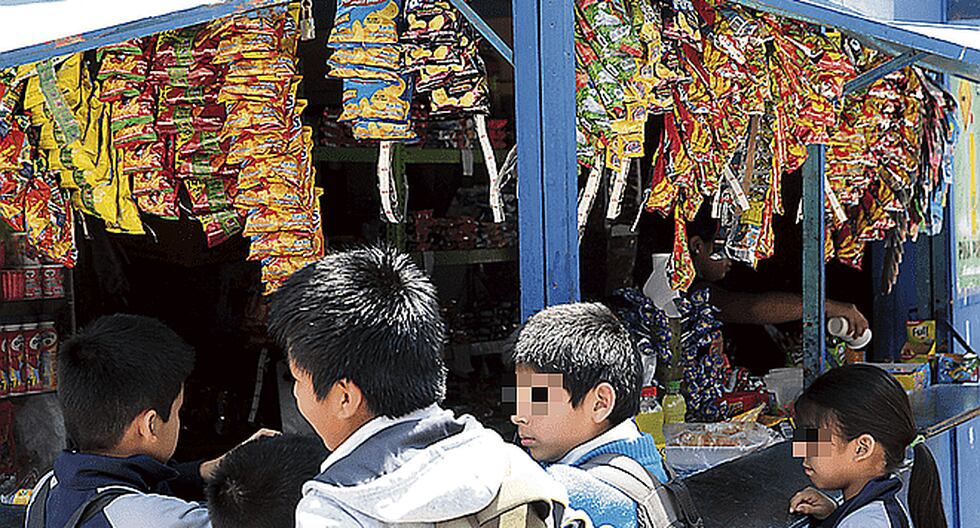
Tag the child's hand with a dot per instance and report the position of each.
(207, 468)
(812, 502)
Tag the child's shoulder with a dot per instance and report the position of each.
(877, 514)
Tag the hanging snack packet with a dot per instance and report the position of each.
(365, 22)
(377, 100)
(220, 226)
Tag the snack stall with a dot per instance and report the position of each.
(857, 108)
(183, 163)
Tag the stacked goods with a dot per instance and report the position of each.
(204, 120)
(268, 141)
(885, 163)
(139, 150)
(742, 94)
(31, 201)
(187, 79)
(63, 102)
(368, 57)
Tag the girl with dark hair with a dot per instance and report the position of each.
(856, 434)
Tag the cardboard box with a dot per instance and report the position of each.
(920, 345)
(912, 376)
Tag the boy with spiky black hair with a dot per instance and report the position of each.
(364, 338)
(121, 387)
(578, 385)
(259, 484)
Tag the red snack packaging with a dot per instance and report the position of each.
(13, 284)
(4, 345)
(33, 288)
(49, 355)
(15, 359)
(31, 366)
(53, 281)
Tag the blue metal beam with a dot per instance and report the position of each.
(130, 30)
(869, 77)
(814, 272)
(547, 168)
(488, 33)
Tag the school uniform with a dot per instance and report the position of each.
(876, 506)
(602, 503)
(77, 477)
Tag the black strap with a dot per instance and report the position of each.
(95, 506)
(36, 515)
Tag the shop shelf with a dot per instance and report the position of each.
(409, 155)
(26, 395)
(465, 257)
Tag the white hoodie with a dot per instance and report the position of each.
(388, 474)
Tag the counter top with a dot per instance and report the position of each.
(751, 492)
(943, 407)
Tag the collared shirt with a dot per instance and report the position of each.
(627, 430)
(372, 428)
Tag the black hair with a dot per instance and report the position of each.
(588, 345)
(259, 484)
(863, 399)
(116, 368)
(370, 316)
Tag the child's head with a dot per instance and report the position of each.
(364, 337)
(121, 386)
(577, 376)
(855, 424)
(259, 484)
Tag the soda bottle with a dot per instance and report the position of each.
(675, 408)
(650, 420)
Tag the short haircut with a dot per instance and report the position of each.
(259, 484)
(116, 368)
(587, 344)
(370, 316)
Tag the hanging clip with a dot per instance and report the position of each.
(307, 25)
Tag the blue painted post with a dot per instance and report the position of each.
(546, 165)
(814, 237)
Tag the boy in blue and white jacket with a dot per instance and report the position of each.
(121, 387)
(578, 384)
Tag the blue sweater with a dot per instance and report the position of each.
(605, 505)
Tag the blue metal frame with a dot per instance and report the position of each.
(488, 33)
(130, 30)
(869, 77)
(548, 171)
(814, 272)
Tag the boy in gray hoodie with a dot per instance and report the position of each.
(364, 338)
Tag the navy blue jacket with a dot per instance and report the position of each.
(876, 506)
(79, 476)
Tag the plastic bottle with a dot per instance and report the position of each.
(650, 420)
(675, 408)
(839, 327)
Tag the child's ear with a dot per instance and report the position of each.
(864, 447)
(147, 424)
(351, 399)
(695, 244)
(604, 401)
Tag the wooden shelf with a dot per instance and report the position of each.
(427, 156)
(465, 257)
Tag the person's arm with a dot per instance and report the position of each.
(778, 307)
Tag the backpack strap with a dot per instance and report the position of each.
(521, 502)
(632, 479)
(95, 506)
(36, 515)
